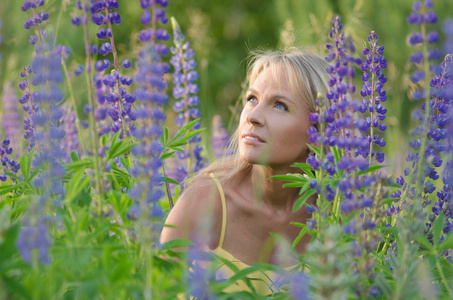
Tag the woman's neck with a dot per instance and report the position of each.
(271, 191)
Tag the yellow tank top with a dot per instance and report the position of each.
(263, 282)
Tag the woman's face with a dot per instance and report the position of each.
(274, 123)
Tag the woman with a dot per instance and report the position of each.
(232, 206)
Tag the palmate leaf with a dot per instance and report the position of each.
(370, 169)
(302, 199)
(447, 243)
(306, 168)
(438, 226)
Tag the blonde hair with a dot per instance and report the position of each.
(307, 76)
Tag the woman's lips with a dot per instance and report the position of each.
(250, 138)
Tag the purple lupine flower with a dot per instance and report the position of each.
(11, 121)
(111, 89)
(34, 235)
(36, 19)
(185, 93)
(150, 98)
(443, 93)
(373, 88)
(70, 141)
(219, 138)
(29, 107)
(423, 15)
(46, 77)
(8, 164)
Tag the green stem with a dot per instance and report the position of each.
(74, 106)
(93, 129)
(443, 279)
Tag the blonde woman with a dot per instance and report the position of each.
(232, 206)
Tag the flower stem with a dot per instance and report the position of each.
(93, 129)
(74, 106)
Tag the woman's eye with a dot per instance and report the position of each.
(281, 105)
(252, 99)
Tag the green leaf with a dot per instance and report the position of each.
(25, 164)
(167, 155)
(438, 226)
(315, 150)
(74, 156)
(170, 180)
(306, 168)
(300, 236)
(424, 242)
(183, 140)
(80, 164)
(176, 243)
(447, 243)
(9, 188)
(302, 199)
(121, 148)
(285, 242)
(389, 201)
(337, 153)
(185, 128)
(75, 186)
(369, 170)
(291, 177)
(165, 134)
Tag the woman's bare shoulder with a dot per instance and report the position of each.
(196, 214)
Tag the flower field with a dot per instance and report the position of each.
(108, 106)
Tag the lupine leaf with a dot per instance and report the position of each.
(76, 185)
(176, 243)
(301, 201)
(314, 149)
(167, 155)
(306, 168)
(291, 177)
(424, 242)
(369, 170)
(284, 241)
(389, 201)
(437, 228)
(384, 285)
(25, 164)
(447, 243)
(74, 156)
(337, 153)
(300, 236)
(170, 180)
(9, 188)
(185, 128)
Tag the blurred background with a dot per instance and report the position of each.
(223, 32)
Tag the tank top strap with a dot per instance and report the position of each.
(224, 216)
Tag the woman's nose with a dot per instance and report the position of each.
(255, 115)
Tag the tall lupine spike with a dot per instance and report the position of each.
(27, 101)
(36, 19)
(219, 138)
(43, 127)
(186, 106)
(443, 90)
(111, 86)
(374, 95)
(11, 121)
(428, 136)
(8, 164)
(345, 134)
(151, 97)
